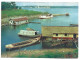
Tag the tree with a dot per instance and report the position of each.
(8, 5)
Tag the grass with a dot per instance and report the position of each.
(19, 12)
(50, 54)
(7, 14)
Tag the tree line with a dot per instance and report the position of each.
(9, 5)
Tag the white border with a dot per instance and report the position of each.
(38, 1)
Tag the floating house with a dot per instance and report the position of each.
(29, 33)
(18, 21)
(60, 32)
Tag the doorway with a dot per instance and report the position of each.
(35, 33)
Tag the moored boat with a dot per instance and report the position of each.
(74, 25)
(23, 43)
(29, 33)
(46, 16)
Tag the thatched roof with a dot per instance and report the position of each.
(50, 30)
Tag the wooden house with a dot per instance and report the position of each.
(18, 21)
(60, 32)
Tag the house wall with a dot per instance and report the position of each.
(11, 22)
(18, 22)
(25, 32)
(62, 36)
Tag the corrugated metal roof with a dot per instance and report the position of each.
(49, 30)
(20, 19)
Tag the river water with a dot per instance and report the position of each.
(9, 34)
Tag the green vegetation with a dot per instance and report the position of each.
(8, 5)
(50, 54)
(10, 10)
(19, 12)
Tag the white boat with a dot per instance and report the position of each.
(29, 33)
(46, 16)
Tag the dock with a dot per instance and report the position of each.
(67, 14)
(35, 22)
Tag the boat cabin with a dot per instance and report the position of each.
(18, 21)
(60, 32)
(25, 32)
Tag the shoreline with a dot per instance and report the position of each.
(7, 14)
(29, 53)
(5, 21)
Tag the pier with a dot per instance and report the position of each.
(35, 22)
(67, 14)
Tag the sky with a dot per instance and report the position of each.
(46, 3)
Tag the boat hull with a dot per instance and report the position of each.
(31, 36)
(45, 17)
(22, 44)
(12, 49)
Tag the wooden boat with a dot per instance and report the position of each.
(73, 24)
(23, 43)
(29, 33)
(46, 16)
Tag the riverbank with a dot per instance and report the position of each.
(44, 53)
(6, 15)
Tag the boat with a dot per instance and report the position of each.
(23, 43)
(29, 33)
(46, 16)
(74, 25)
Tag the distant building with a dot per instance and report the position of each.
(18, 21)
(60, 32)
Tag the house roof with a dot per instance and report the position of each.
(50, 30)
(20, 19)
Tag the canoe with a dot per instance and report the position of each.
(23, 43)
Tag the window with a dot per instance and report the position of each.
(65, 34)
(56, 34)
